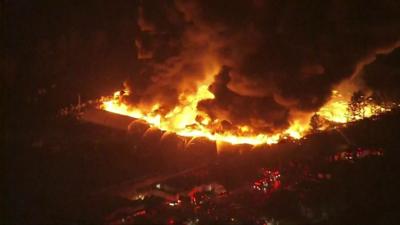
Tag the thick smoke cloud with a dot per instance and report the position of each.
(268, 58)
(383, 77)
(261, 112)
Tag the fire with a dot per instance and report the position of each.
(186, 120)
(183, 120)
(337, 109)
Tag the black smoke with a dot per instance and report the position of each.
(283, 56)
(383, 77)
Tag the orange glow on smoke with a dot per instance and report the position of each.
(184, 118)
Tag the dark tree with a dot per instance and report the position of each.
(316, 123)
(356, 104)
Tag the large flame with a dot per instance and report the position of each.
(186, 120)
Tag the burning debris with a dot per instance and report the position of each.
(182, 120)
(188, 121)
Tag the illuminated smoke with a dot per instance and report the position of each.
(265, 61)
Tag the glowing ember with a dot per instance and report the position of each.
(186, 120)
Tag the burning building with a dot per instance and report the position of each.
(244, 74)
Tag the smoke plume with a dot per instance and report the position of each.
(264, 59)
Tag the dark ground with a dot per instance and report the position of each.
(51, 174)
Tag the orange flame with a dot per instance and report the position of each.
(183, 119)
(337, 109)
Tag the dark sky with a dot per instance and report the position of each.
(80, 46)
